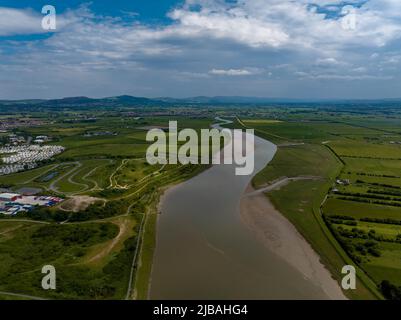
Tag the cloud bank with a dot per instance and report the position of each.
(278, 48)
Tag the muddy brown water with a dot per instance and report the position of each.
(204, 251)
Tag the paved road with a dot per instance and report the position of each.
(53, 184)
(39, 175)
(24, 220)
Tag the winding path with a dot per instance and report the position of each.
(281, 183)
(25, 296)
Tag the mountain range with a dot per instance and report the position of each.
(132, 101)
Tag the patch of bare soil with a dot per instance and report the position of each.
(79, 203)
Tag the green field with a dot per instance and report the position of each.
(307, 155)
(361, 154)
(360, 210)
(25, 248)
(300, 160)
(94, 249)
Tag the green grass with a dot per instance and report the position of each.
(300, 201)
(351, 135)
(31, 246)
(78, 276)
(364, 149)
(107, 151)
(101, 175)
(371, 165)
(145, 262)
(386, 230)
(292, 131)
(6, 297)
(75, 181)
(90, 168)
(25, 177)
(360, 210)
(134, 171)
(388, 267)
(293, 161)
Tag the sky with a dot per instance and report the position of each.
(307, 49)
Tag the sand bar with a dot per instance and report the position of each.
(282, 238)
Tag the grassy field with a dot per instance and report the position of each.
(367, 149)
(287, 131)
(300, 201)
(25, 248)
(26, 177)
(373, 203)
(360, 210)
(300, 160)
(360, 149)
(94, 249)
(104, 159)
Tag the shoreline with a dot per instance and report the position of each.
(280, 236)
(277, 234)
(161, 198)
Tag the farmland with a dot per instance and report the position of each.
(344, 198)
(92, 244)
(370, 198)
(353, 213)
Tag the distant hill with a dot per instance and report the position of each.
(226, 99)
(105, 102)
(83, 103)
(262, 100)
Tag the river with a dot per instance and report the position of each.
(204, 250)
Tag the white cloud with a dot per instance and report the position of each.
(231, 72)
(274, 24)
(216, 39)
(14, 21)
(232, 25)
(344, 77)
(286, 23)
(328, 62)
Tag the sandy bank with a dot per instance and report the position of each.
(282, 238)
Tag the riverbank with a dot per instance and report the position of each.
(142, 280)
(282, 238)
(205, 251)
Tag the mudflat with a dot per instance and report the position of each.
(282, 238)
